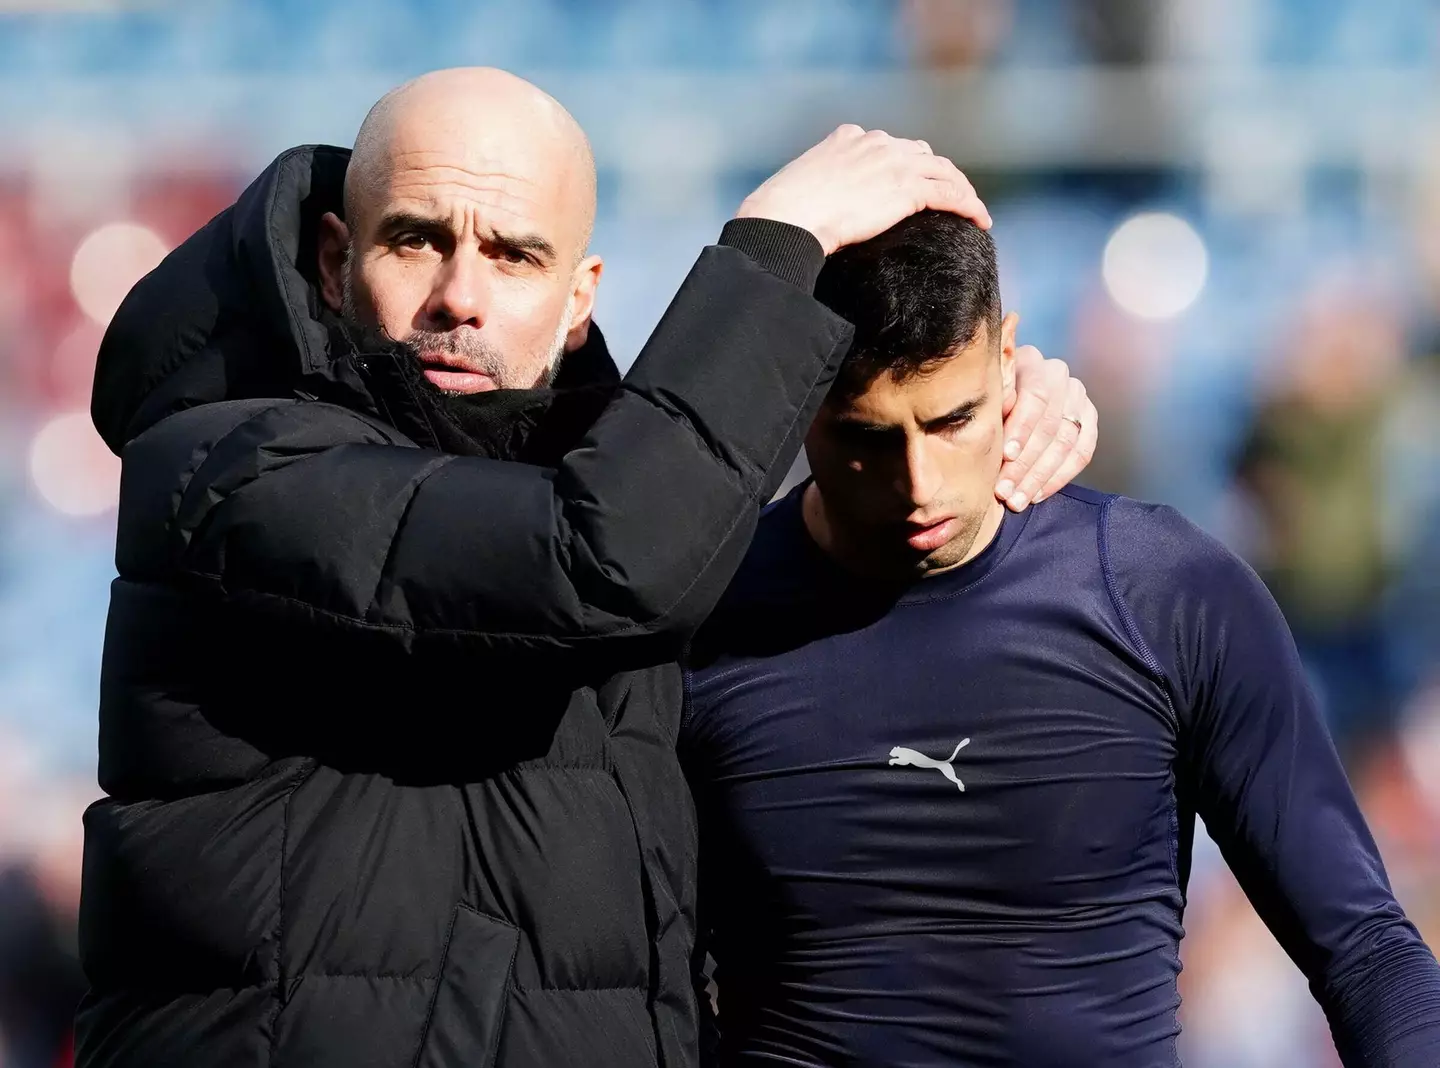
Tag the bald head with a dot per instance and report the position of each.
(469, 202)
(475, 114)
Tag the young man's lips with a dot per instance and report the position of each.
(928, 539)
(453, 380)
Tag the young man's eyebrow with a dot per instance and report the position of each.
(850, 422)
(957, 414)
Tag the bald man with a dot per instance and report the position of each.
(389, 692)
(519, 188)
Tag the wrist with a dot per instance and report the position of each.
(785, 250)
(752, 208)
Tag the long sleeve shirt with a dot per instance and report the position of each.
(953, 827)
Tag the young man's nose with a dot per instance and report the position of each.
(919, 479)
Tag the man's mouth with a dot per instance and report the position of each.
(929, 537)
(453, 377)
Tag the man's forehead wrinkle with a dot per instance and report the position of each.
(411, 167)
(459, 204)
(468, 201)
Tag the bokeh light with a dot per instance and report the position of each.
(72, 367)
(108, 262)
(1155, 266)
(72, 468)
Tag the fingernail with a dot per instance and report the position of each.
(1019, 501)
(1005, 488)
(1012, 450)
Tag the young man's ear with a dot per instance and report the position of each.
(1007, 356)
(334, 242)
(586, 278)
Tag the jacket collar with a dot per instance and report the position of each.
(235, 312)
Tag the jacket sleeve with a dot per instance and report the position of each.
(301, 507)
(1266, 778)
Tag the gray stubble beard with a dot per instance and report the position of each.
(478, 353)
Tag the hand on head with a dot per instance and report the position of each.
(856, 184)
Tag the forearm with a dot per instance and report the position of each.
(666, 488)
(1272, 790)
(312, 510)
(1384, 1007)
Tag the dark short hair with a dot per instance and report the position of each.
(916, 294)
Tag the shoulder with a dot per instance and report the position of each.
(1186, 600)
(773, 568)
(771, 581)
(197, 457)
(1143, 542)
(263, 422)
(1140, 541)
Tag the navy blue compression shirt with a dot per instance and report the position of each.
(953, 826)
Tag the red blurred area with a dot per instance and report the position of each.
(47, 345)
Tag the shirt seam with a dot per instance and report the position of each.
(1147, 657)
(1127, 618)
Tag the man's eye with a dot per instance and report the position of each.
(514, 255)
(414, 242)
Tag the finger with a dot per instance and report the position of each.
(1073, 465)
(941, 194)
(1067, 436)
(1029, 366)
(911, 148)
(1019, 429)
(947, 189)
(848, 131)
(1080, 456)
(1030, 384)
(1039, 431)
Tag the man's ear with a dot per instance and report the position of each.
(583, 285)
(334, 243)
(1007, 356)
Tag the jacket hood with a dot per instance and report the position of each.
(235, 312)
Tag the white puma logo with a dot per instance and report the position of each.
(901, 755)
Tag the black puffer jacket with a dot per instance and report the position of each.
(388, 697)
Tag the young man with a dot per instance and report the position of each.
(948, 759)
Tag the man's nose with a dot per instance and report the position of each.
(460, 296)
(920, 481)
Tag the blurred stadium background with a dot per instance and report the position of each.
(1224, 213)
